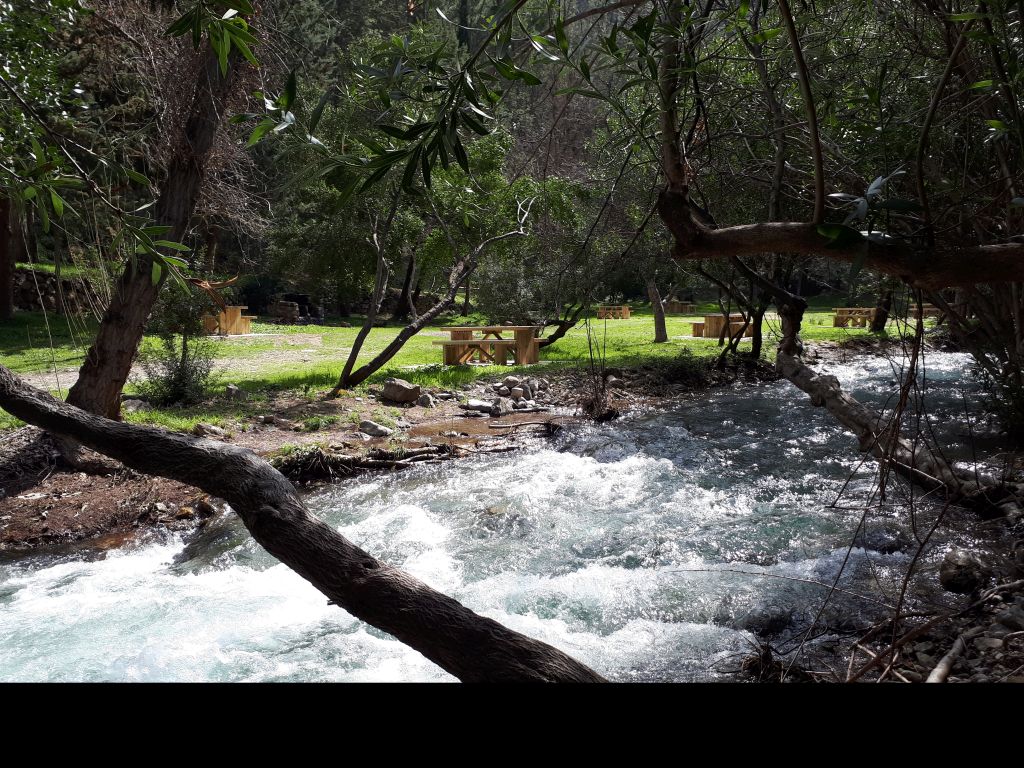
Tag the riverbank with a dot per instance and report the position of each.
(45, 503)
(749, 475)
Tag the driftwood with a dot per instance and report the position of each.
(314, 463)
(945, 665)
(469, 646)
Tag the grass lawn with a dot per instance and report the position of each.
(309, 358)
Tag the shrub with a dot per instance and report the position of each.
(179, 367)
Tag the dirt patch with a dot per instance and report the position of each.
(44, 503)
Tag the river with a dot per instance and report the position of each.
(657, 547)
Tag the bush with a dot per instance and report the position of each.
(179, 368)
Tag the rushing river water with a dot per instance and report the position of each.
(657, 547)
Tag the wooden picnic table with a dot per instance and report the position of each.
(230, 321)
(674, 307)
(928, 310)
(613, 312)
(858, 317)
(712, 326)
(490, 345)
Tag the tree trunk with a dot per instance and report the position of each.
(109, 360)
(416, 293)
(660, 331)
(882, 312)
(212, 241)
(402, 311)
(7, 252)
(469, 646)
(465, 303)
(462, 34)
(757, 340)
(564, 325)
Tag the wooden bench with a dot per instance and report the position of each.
(613, 312)
(858, 317)
(461, 351)
(698, 330)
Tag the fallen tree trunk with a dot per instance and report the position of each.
(469, 646)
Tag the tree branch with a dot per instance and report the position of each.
(469, 646)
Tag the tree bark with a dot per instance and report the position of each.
(469, 646)
(882, 312)
(564, 325)
(212, 241)
(660, 331)
(7, 252)
(109, 361)
(942, 268)
(403, 308)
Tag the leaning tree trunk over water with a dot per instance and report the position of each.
(467, 645)
(913, 459)
(109, 361)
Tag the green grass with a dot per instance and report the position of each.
(66, 270)
(25, 342)
(308, 359)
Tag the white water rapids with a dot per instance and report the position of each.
(619, 544)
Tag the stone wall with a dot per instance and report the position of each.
(72, 295)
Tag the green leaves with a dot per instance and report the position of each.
(560, 37)
(259, 132)
(223, 26)
(57, 202)
(287, 97)
(508, 69)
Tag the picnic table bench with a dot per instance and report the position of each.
(490, 346)
(613, 312)
(674, 307)
(858, 317)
